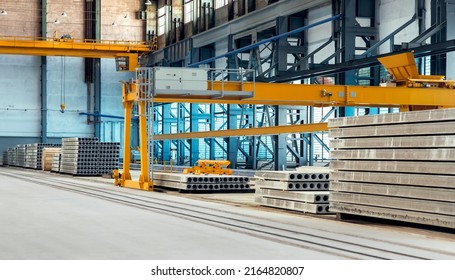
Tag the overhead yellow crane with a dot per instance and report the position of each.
(126, 53)
(409, 93)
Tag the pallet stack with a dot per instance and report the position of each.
(80, 156)
(395, 166)
(109, 153)
(304, 190)
(202, 183)
(47, 159)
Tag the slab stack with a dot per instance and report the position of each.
(11, 156)
(21, 154)
(34, 154)
(2, 156)
(109, 154)
(304, 190)
(202, 183)
(30, 156)
(395, 166)
(80, 156)
(5, 157)
(56, 162)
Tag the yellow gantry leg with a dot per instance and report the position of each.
(124, 180)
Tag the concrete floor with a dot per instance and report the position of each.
(40, 222)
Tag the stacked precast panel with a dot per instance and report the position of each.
(108, 158)
(80, 156)
(56, 162)
(304, 190)
(395, 166)
(202, 183)
(34, 154)
(21, 154)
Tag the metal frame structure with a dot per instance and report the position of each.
(151, 86)
(354, 45)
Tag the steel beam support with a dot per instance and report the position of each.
(232, 142)
(311, 138)
(439, 16)
(97, 96)
(450, 26)
(280, 145)
(281, 56)
(194, 127)
(349, 8)
(212, 128)
(180, 145)
(325, 95)
(166, 129)
(43, 75)
(97, 73)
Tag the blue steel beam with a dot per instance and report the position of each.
(265, 41)
(166, 128)
(194, 125)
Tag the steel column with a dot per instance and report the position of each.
(97, 72)
(280, 145)
(194, 127)
(43, 75)
(166, 128)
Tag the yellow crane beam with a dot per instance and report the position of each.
(75, 48)
(271, 130)
(323, 95)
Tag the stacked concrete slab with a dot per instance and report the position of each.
(34, 154)
(202, 183)
(80, 156)
(305, 189)
(11, 156)
(56, 162)
(395, 166)
(21, 154)
(109, 153)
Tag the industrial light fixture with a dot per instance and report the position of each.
(56, 21)
(126, 16)
(63, 14)
(148, 3)
(3, 13)
(114, 23)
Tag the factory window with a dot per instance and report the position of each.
(188, 10)
(220, 3)
(161, 20)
